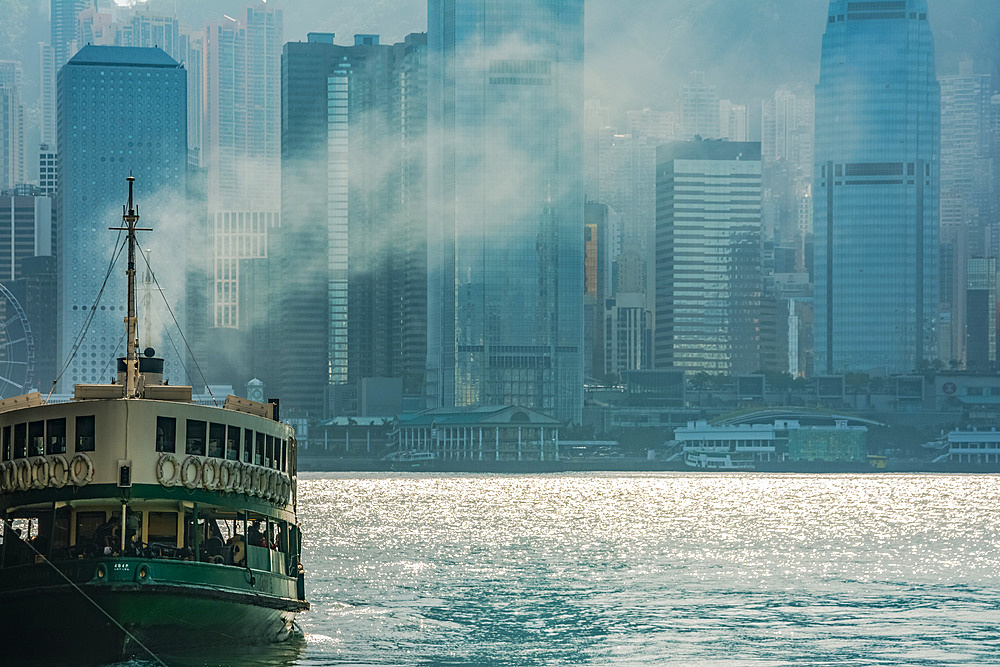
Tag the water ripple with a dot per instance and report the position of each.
(629, 569)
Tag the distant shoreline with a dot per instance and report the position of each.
(316, 464)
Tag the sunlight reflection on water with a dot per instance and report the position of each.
(692, 569)
(640, 568)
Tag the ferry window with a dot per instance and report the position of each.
(163, 527)
(233, 443)
(87, 524)
(20, 441)
(248, 446)
(259, 454)
(85, 433)
(36, 438)
(6, 443)
(216, 440)
(269, 451)
(56, 439)
(166, 434)
(195, 438)
(284, 456)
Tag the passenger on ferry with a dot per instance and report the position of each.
(255, 536)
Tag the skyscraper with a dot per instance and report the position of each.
(966, 197)
(240, 151)
(11, 124)
(981, 315)
(699, 109)
(734, 121)
(708, 271)
(352, 252)
(877, 179)
(25, 228)
(63, 43)
(505, 288)
(103, 137)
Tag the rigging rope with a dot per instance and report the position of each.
(112, 357)
(177, 324)
(94, 602)
(78, 341)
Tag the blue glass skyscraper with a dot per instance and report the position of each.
(877, 184)
(506, 204)
(120, 110)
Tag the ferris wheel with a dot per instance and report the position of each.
(17, 348)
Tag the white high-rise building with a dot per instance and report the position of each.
(241, 148)
(734, 121)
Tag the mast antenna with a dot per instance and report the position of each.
(130, 216)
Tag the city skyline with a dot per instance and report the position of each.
(415, 210)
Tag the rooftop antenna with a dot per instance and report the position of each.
(130, 216)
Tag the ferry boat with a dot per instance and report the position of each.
(136, 521)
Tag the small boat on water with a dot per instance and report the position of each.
(137, 521)
(712, 460)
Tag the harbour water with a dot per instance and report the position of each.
(644, 569)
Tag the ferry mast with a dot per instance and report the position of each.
(130, 216)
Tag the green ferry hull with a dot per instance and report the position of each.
(108, 621)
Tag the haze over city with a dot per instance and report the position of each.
(627, 205)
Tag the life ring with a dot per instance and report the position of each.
(161, 470)
(275, 487)
(286, 489)
(210, 482)
(235, 476)
(59, 471)
(239, 476)
(225, 475)
(189, 481)
(5, 476)
(258, 481)
(81, 470)
(248, 479)
(265, 484)
(39, 472)
(269, 486)
(22, 474)
(254, 474)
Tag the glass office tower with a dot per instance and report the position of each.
(506, 204)
(121, 110)
(877, 181)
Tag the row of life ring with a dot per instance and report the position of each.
(40, 472)
(223, 475)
